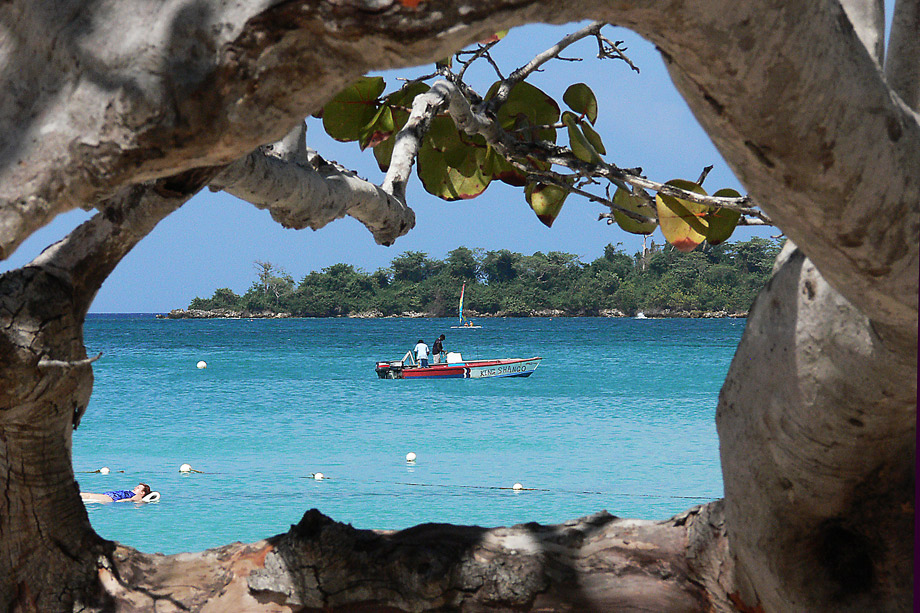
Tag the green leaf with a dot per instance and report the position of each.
(594, 138)
(527, 108)
(582, 100)
(635, 204)
(494, 38)
(721, 222)
(581, 146)
(499, 168)
(383, 153)
(447, 182)
(546, 201)
(682, 222)
(443, 133)
(352, 109)
(380, 128)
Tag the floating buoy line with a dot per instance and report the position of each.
(410, 460)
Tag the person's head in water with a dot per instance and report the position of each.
(141, 488)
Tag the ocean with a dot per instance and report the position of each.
(619, 416)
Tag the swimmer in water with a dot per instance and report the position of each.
(135, 495)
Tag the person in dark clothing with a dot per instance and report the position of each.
(437, 349)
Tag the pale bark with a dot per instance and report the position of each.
(795, 129)
(817, 429)
(302, 190)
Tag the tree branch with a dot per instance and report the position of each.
(48, 363)
(596, 563)
(868, 19)
(302, 190)
(902, 64)
(87, 256)
(553, 52)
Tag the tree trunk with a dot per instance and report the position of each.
(817, 430)
(47, 547)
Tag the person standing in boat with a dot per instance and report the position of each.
(437, 350)
(421, 353)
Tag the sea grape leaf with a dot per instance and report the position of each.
(635, 204)
(443, 133)
(527, 109)
(383, 153)
(580, 145)
(380, 128)
(582, 100)
(682, 222)
(494, 38)
(594, 138)
(546, 201)
(450, 183)
(500, 168)
(721, 222)
(352, 109)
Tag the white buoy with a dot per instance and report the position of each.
(517, 486)
(410, 457)
(104, 470)
(202, 364)
(185, 468)
(319, 476)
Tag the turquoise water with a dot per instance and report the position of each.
(619, 416)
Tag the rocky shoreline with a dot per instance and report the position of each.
(373, 314)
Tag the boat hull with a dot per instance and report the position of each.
(469, 369)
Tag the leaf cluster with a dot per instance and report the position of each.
(549, 152)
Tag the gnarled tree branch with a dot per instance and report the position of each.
(597, 563)
(302, 190)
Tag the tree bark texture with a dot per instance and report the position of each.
(132, 107)
(817, 431)
(597, 563)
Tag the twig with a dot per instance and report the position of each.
(46, 363)
(523, 72)
(612, 51)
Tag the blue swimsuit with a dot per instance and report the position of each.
(119, 494)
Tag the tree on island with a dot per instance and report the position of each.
(131, 108)
(721, 278)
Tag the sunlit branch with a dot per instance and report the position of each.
(553, 52)
(301, 189)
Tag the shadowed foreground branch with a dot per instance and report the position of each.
(596, 563)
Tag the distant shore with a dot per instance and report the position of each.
(374, 314)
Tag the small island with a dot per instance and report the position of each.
(712, 281)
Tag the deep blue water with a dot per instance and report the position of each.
(619, 416)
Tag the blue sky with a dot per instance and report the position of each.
(214, 239)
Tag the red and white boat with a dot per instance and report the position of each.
(457, 368)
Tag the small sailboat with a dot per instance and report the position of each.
(464, 324)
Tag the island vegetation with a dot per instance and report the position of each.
(721, 279)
